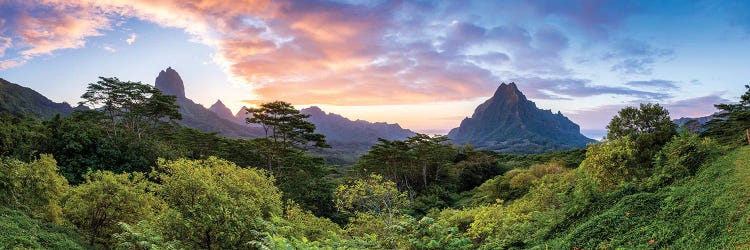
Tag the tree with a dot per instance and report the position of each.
(106, 199)
(649, 126)
(413, 164)
(376, 197)
(286, 131)
(213, 203)
(33, 187)
(284, 124)
(730, 123)
(22, 138)
(132, 106)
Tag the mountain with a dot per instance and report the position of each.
(170, 83)
(341, 130)
(220, 109)
(242, 115)
(349, 139)
(508, 122)
(702, 120)
(20, 100)
(695, 125)
(195, 115)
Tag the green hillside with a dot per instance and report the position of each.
(20, 100)
(708, 211)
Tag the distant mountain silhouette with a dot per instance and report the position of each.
(195, 115)
(695, 125)
(508, 122)
(20, 100)
(220, 109)
(339, 129)
(242, 115)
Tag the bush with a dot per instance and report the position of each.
(613, 162)
(34, 187)
(213, 203)
(106, 199)
(682, 157)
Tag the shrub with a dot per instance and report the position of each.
(106, 199)
(34, 187)
(682, 157)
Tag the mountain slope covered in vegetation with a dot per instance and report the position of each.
(20, 100)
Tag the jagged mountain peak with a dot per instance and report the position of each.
(509, 122)
(220, 109)
(313, 110)
(170, 82)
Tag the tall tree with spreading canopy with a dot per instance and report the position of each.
(132, 106)
(286, 131)
(284, 124)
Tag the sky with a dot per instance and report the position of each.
(423, 64)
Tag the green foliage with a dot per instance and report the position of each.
(709, 211)
(552, 199)
(213, 203)
(21, 137)
(413, 164)
(477, 168)
(614, 162)
(649, 126)
(106, 199)
(305, 225)
(33, 187)
(682, 157)
(19, 231)
(141, 236)
(308, 181)
(514, 184)
(373, 198)
(427, 233)
(730, 123)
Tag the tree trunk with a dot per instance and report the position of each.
(747, 133)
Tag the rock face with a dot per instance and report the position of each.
(508, 122)
(170, 82)
(195, 115)
(19, 100)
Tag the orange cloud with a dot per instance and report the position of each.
(300, 51)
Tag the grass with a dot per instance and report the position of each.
(708, 211)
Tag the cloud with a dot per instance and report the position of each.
(131, 39)
(596, 17)
(634, 56)
(109, 48)
(348, 52)
(39, 28)
(695, 107)
(5, 43)
(599, 117)
(655, 84)
(563, 88)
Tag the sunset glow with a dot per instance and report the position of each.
(422, 64)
